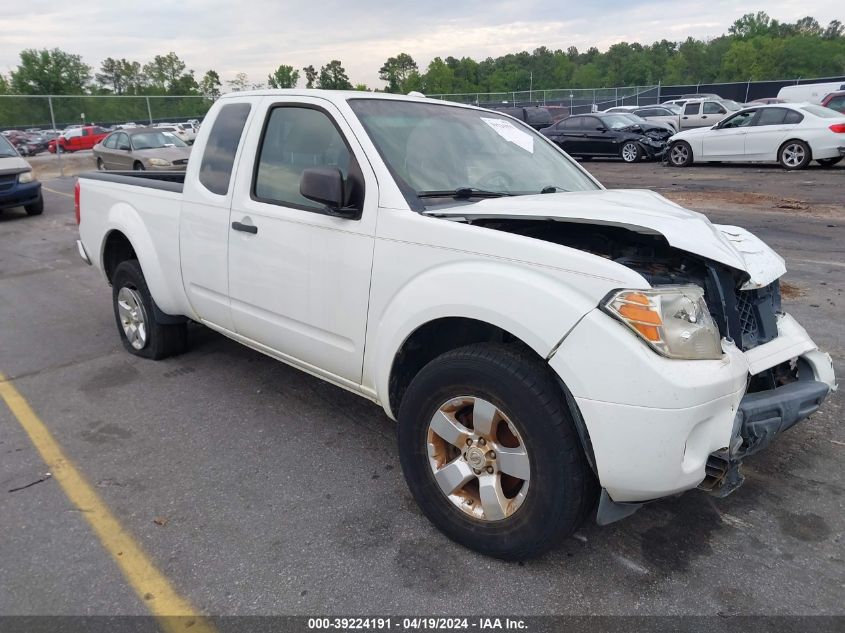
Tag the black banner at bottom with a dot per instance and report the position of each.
(381, 623)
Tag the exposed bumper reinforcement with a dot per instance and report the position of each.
(760, 417)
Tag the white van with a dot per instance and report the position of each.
(814, 93)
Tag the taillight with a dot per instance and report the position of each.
(839, 128)
(76, 210)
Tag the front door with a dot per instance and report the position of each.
(727, 141)
(299, 276)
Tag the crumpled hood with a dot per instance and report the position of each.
(644, 212)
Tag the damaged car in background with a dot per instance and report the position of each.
(617, 135)
(545, 345)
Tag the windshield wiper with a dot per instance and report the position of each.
(462, 193)
(553, 189)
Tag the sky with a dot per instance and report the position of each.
(255, 36)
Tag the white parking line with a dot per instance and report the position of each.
(61, 193)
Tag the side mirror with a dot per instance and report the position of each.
(601, 129)
(125, 148)
(325, 185)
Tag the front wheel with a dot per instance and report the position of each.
(827, 163)
(135, 314)
(36, 208)
(794, 155)
(138, 166)
(490, 452)
(680, 154)
(100, 165)
(631, 152)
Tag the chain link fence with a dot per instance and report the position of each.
(580, 100)
(57, 112)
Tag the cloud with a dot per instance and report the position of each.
(255, 36)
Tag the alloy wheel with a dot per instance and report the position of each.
(793, 155)
(478, 458)
(133, 317)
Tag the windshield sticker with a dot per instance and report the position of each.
(510, 132)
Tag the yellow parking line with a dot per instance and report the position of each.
(142, 575)
(61, 193)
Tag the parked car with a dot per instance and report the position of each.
(75, 139)
(701, 95)
(536, 116)
(610, 135)
(645, 125)
(31, 144)
(142, 149)
(675, 103)
(812, 93)
(534, 347)
(792, 134)
(660, 114)
(764, 101)
(706, 112)
(18, 186)
(835, 101)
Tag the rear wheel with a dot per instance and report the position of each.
(680, 154)
(490, 453)
(794, 155)
(134, 312)
(100, 165)
(829, 162)
(631, 152)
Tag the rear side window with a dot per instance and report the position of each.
(793, 117)
(837, 103)
(222, 145)
(573, 124)
(772, 116)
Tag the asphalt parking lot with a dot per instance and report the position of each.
(257, 489)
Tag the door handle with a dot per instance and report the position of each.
(246, 228)
(704, 117)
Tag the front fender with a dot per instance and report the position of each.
(528, 302)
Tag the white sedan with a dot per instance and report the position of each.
(792, 134)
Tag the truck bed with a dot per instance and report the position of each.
(163, 180)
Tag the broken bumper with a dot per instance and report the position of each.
(655, 423)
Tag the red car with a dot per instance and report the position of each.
(835, 101)
(78, 138)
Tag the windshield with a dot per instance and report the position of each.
(619, 121)
(154, 140)
(440, 148)
(6, 148)
(822, 112)
(733, 106)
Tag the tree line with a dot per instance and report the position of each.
(756, 47)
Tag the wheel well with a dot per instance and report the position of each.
(437, 337)
(118, 249)
(793, 140)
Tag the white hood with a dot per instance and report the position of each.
(644, 212)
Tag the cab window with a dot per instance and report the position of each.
(221, 147)
(296, 138)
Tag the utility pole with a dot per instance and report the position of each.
(58, 152)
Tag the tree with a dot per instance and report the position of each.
(396, 71)
(210, 85)
(751, 25)
(239, 83)
(50, 72)
(310, 76)
(283, 77)
(333, 77)
(164, 72)
(361, 88)
(834, 30)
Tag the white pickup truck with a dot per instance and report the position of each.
(543, 343)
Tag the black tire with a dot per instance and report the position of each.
(827, 163)
(138, 166)
(36, 208)
(100, 165)
(680, 154)
(162, 340)
(631, 152)
(562, 486)
(794, 154)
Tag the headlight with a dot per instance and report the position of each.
(25, 177)
(159, 162)
(673, 320)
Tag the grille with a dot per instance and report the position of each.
(7, 182)
(747, 318)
